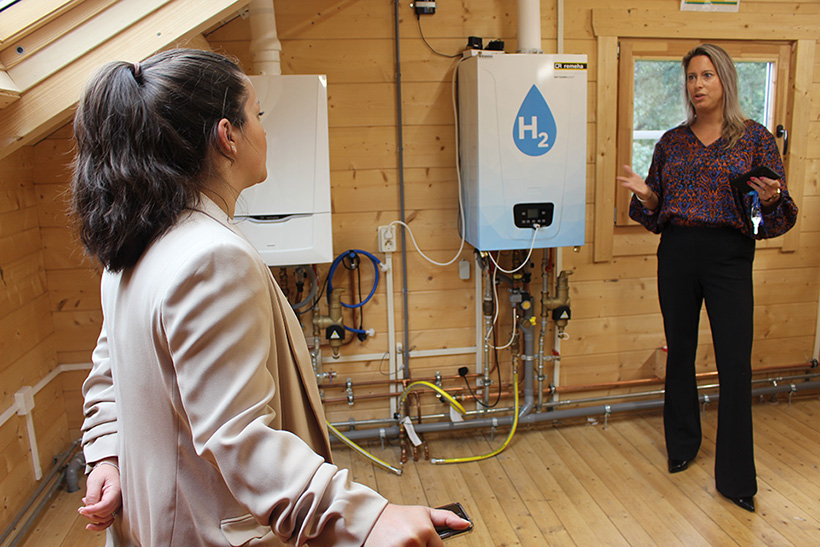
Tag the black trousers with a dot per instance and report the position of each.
(712, 265)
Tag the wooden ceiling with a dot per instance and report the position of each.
(48, 49)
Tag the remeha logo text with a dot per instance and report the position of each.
(570, 66)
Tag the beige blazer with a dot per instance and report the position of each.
(202, 386)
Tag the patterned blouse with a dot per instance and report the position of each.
(692, 183)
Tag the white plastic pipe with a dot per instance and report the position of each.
(560, 49)
(391, 332)
(529, 26)
(265, 45)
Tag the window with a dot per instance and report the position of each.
(651, 96)
(6, 3)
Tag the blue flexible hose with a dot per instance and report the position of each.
(335, 264)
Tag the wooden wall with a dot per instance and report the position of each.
(27, 337)
(50, 306)
(616, 327)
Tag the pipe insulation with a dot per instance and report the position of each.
(529, 26)
(564, 414)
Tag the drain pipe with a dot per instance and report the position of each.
(527, 326)
(73, 470)
(400, 149)
(487, 309)
(562, 414)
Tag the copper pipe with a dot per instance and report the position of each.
(403, 382)
(654, 381)
(461, 393)
(613, 385)
(458, 393)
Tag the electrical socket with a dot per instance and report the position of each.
(387, 238)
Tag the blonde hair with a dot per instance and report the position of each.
(734, 120)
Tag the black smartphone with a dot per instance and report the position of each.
(445, 532)
(742, 182)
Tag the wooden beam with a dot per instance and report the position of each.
(605, 160)
(49, 104)
(9, 92)
(639, 23)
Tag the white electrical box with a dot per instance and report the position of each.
(522, 143)
(287, 217)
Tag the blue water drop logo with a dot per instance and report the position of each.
(534, 130)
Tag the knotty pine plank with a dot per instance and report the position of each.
(517, 462)
(628, 459)
(23, 280)
(405, 489)
(23, 329)
(61, 526)
(792, 448)
(697, 483)
(696, 526)
(490, 509)
(662, 530)
(77, 289)
(807, 414)
(791, 521)
(526, 527)
(628, 510)
(578, 512)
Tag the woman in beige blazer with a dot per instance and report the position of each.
(203, 422)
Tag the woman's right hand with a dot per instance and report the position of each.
(635, 183)
(411, 526)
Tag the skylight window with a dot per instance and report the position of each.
(6, 3)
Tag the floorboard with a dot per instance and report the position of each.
(581, 483)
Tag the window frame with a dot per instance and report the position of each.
(632, 49)
(609, 25)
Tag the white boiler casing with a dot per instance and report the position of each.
(522, 142)
(287, 217)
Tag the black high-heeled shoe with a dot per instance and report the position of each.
(676, 466)
(745, 503)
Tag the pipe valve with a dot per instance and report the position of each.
(333, 322)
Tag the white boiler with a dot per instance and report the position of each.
(287, 217)
(522, 143)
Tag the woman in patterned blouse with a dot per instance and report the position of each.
(708, 231)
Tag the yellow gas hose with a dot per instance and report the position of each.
(362, 451)
(498, 450)
(453, 403)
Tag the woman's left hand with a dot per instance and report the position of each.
(768, 190)
(103, 497)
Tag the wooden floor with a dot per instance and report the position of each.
(583, 484)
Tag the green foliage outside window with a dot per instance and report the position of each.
(659, 102)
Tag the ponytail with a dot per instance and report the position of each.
(144, 133)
